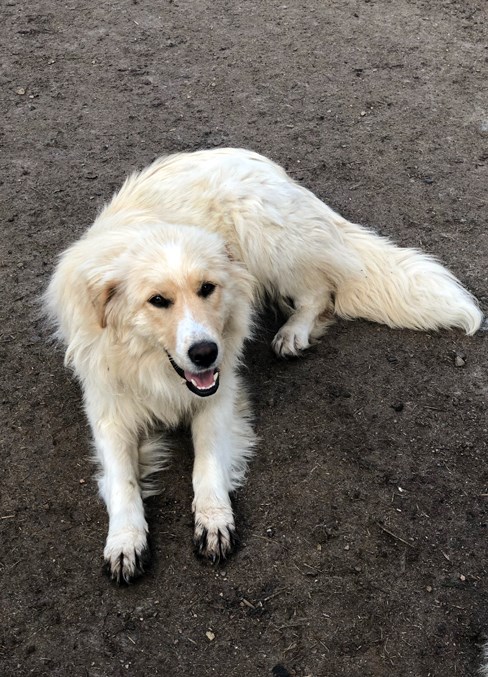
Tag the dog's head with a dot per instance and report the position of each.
(176, 290)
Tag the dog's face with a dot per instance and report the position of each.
(178, 291)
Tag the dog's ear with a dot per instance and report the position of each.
(102, 301)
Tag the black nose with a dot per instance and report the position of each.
(203, 354)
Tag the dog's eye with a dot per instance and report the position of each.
(206, 289)
(159, 301)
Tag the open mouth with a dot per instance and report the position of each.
(203, 383)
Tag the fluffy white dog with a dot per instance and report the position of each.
(155, 301)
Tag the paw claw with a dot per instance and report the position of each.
(288, 343)
(126, 557)
(215, 543)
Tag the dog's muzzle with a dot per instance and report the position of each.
(203, 383)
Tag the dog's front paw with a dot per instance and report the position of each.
(126, 555)
(289, 342)
(215, 534)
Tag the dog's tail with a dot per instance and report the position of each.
(402, 287)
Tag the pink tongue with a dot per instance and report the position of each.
(203, 380)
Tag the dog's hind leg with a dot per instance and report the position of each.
(223, 441)
(312, 313)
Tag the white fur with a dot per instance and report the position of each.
(236, 219)
(189, 332)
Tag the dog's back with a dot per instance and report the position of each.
(293, 243)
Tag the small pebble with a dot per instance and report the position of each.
(210, 635)
(459, 361)
(429, 588)
(484, 127)
(462, 578)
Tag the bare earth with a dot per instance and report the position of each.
(364, 518)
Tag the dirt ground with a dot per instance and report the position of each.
(364, 517)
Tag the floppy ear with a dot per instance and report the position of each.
(102, 300)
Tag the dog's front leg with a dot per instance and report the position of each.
(126, 551)
(212, 428)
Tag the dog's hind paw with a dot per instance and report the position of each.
(290, 342)
(213, 541)
(126, 556)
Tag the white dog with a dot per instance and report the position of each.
(156, 299)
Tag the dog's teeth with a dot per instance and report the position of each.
(216, 376)
(195, 383)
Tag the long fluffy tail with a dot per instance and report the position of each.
(403, 287)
